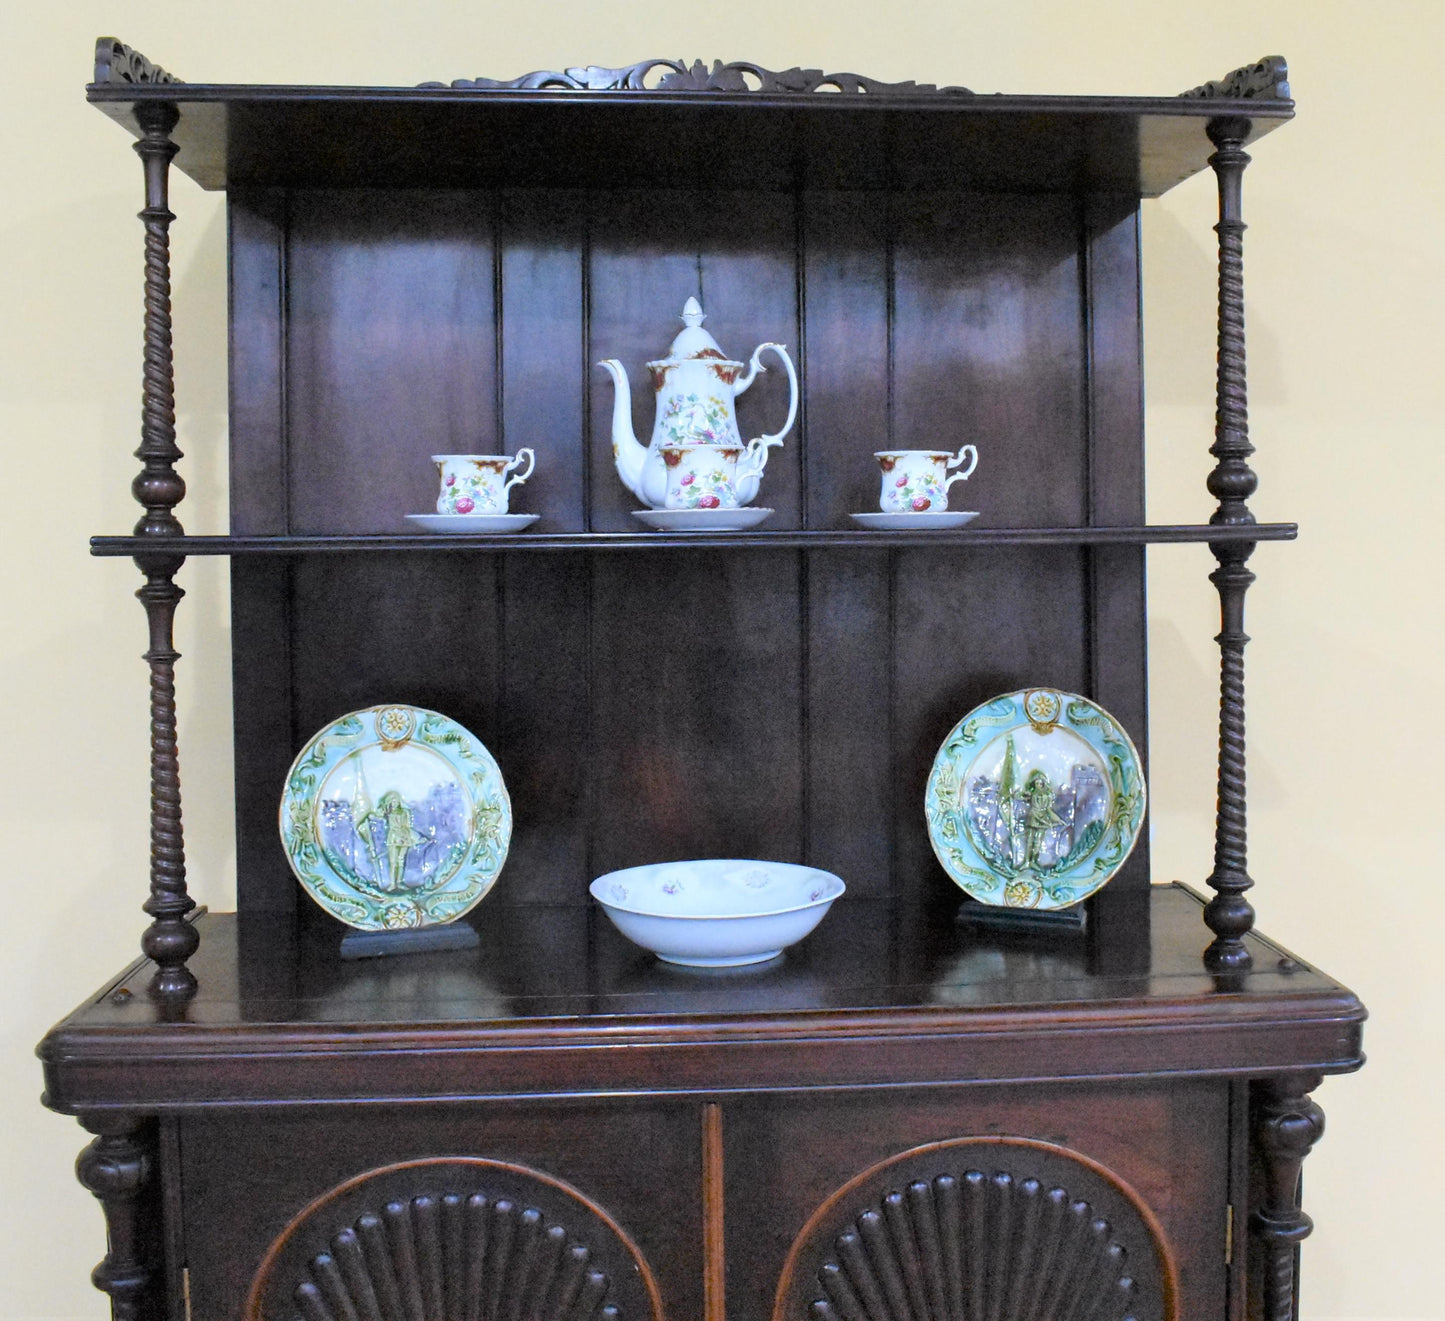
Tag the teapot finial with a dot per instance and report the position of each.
(692, 314)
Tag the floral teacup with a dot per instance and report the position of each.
(477, 483)
(701, 476)
(915, 481)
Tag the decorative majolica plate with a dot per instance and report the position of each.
(1035, 800)
(394, 818)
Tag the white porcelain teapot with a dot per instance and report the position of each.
(695, 386)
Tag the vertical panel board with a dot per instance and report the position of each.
(544, 724)
(845, 365)
(543, 371)
(642, 267)
(396, 628)
(748, 246)
(969, 626)
(987, 349)
(696, 708)
(391, 351)
(846, 320)
(1118, 627)
(265, 728)
(257, 272)
(849, 785)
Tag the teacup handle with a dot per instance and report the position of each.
(956, 460)
(531, 459)
(776, 437)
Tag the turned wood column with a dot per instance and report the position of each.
(170, 940)
(1286, 1125)
(118, 1167)
(1229, 914)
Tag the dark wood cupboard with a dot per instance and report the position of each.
(918, 1113)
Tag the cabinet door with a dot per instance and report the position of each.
(834, 1198)
(267, 1195)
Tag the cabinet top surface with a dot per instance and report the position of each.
(550, 982)
(666, 124)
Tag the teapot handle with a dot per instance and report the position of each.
(776, 437)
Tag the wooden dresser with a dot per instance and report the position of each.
(919, 1113)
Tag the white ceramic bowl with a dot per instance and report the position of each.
(718, 912)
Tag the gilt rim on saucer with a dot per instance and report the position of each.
(472, 524)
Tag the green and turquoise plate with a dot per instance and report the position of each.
(1035, 800)
(395, 818)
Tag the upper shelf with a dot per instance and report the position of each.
(664, 124)
(799, 539)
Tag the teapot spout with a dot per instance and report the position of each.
(627, 453)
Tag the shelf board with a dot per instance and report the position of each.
(443, 137)
(872, 997)
(827, 539)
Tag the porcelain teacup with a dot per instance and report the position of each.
(478, 483)
(916, 481)
(701, 476)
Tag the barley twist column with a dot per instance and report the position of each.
(1229, 914)
(169, 940)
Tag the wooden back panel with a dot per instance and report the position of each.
(661, 704)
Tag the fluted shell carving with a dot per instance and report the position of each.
(454, 1257)
(976, 1245)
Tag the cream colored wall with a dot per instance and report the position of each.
(1345, 328)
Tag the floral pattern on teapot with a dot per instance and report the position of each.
(691, 419)
(701, 476)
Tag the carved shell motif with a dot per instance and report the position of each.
(1007, 1229)
(453, 1258)
(376, 1249)
(977, 1245)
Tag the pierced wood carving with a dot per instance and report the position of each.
(1265, 80)
(170, 940)
(115, 62)
(1229, 914)
(117, 1168)
(1286, 1125)
(737, 76)
(453, 1240)
(1006, 1228)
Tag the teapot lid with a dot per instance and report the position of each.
(692, 340)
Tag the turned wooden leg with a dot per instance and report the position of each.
(1286, 1125)
(117, 1167)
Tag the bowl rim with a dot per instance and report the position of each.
(717, 917)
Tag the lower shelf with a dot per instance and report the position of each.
(876, 995)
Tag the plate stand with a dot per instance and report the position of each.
(971, 913)
(379, 944)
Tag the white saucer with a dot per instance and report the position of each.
(472, 524)
(702, 520)
(911, 522)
